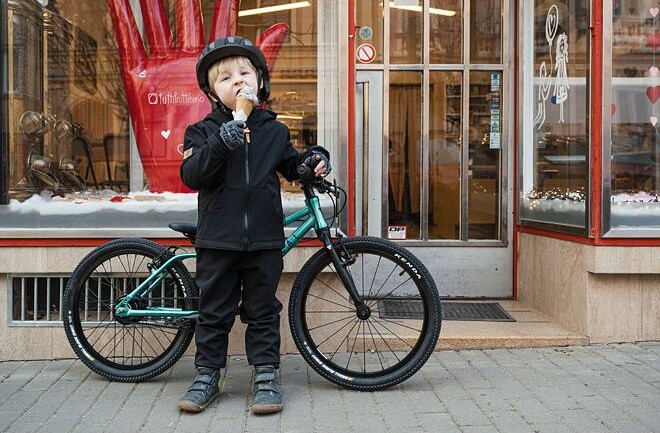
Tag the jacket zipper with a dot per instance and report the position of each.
(246, 202)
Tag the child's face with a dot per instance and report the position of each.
(233, 76)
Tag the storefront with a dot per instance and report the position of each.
(473, 132)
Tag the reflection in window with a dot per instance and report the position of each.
(370, 22)
(404, 141)
(555, 135)
(635, 143)
(72, 148)
(446, 96)
(485, 142)
(406, 26)
(486, 31)
(446, 31)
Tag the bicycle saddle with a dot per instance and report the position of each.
(189, 230)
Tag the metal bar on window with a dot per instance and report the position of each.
(61, 297)
(23, 299)
(98, 299)
(48, 299)
(34, 300)
(86, 309)
(465, 142)
(112, 299)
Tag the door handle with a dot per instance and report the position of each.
(365, 155)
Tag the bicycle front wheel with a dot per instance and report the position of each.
(389, 345)
(127, 349)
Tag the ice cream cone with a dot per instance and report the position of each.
(245, 102)
(245, 105)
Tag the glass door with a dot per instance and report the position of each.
(431, 137)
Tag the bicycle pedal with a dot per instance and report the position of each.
(181, 322)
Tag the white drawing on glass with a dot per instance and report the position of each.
(558, 63)
(560, 94)
(551, 25)
(543, 93)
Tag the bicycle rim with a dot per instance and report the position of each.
(127, 344)
(398, 336)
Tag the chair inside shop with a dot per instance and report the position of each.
(80, 148)
(116, 150)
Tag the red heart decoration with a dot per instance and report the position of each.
(653, 93)
(653, 40)
(613, 109)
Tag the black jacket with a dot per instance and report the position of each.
(239, 202)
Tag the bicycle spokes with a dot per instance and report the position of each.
(119, 339)
(378, 341)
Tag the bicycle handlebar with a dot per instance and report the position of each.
(310, 180)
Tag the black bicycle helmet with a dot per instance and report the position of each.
(227, 47)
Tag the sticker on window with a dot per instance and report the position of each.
(396, 232)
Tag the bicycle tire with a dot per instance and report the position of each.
(317, 295)
(126, 350)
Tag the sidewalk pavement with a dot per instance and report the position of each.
(599, 388)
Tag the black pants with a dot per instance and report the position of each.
(220, 276)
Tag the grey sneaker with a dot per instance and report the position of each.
(202, 391)
(267, 390)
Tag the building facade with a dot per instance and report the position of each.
(512, 145)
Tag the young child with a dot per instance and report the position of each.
(240, 231)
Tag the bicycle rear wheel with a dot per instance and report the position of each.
(392, 343)
(127, 349)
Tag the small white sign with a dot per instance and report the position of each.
(366, 33)
(365, 53)
(396, 232)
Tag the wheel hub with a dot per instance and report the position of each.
(363, 312)
(135, 304)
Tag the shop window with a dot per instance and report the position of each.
(631, 136)
(445, 154)
(484, 162)
(405, 156)
(86, 152)
(554, 164)
(446, 187)
(371, 27)
(486, 31)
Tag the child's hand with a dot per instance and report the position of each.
(320, 168)
(232, 134)
(320, 163)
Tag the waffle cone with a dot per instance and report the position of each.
(244, 104)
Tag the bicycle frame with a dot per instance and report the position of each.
(314, 218)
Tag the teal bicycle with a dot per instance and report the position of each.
(364, 312)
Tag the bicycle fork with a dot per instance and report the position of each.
(341, 261)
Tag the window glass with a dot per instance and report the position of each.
(634, 113)
(446, 31)
(555, 140)
(95, 139)
(446, 97)
(406, 25)
(404, 158)
(485, 142)
(486, 31)
(369, 20)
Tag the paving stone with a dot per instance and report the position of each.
(490, 400)
(581, 420)
(438, 422)
(510, 422)
(599, 389)
(466, 412)
(533, 411)
(553, 427)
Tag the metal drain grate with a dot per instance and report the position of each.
(412, 309)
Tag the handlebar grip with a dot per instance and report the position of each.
(305, 173)
(302, 169)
